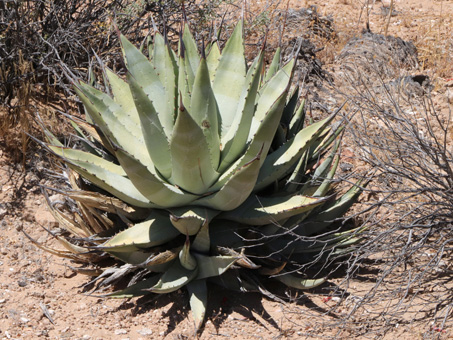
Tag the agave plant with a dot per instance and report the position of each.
(196, 168)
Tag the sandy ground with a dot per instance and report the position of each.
(40, 296)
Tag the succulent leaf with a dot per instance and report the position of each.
(280, 162)
(209, 266)
(325, 185)
(228, 234)
(186, 258)
(205, 112)
(260, 143)
(155, 231)
(295, 282)
(198, 292)
(290, 109)
(144, 73)
(330, 212)
(113, 121)
(234, 141)
(213, 60)
(134, 257)
(192, 167)
(202, 242)
(188, 220)
(166, 69)
(318, 185)
(236, 190)
(104, 174)
(155, 138)
(274, 66)
(174, 278)
(191, 55)
(150, 185)
(272, 90)
(183, 86)
(264, 210)
(297, 121)
(160, 262)
(229, 78)
(123, 96)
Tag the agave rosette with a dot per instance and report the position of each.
(190, 158)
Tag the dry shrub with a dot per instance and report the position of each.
(39, 39)
(399, 281)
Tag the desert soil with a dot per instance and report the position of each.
(41, 298)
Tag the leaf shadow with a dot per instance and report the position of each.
(225, 304)
(177, 312)
(248, 305)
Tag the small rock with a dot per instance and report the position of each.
(57, 198)
(38, 295)
(145, 331)
(66, 335)
(450, 96)
(22, 283)
(45, 218)
(31, 177)
(19, 225)
(42, 333)
(120, 331)
(346, 166)
(3, 211)
(82, 306)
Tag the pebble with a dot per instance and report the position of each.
(3, 211)
(450, 96)
(57, 198)
(120, 331)
(42, 333)
(45, 218)
(145, 331)
(66, 335)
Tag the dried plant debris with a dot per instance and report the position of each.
(409, 86)
(372, 52)
(310, 22)
(309, 68)
(307, 29)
